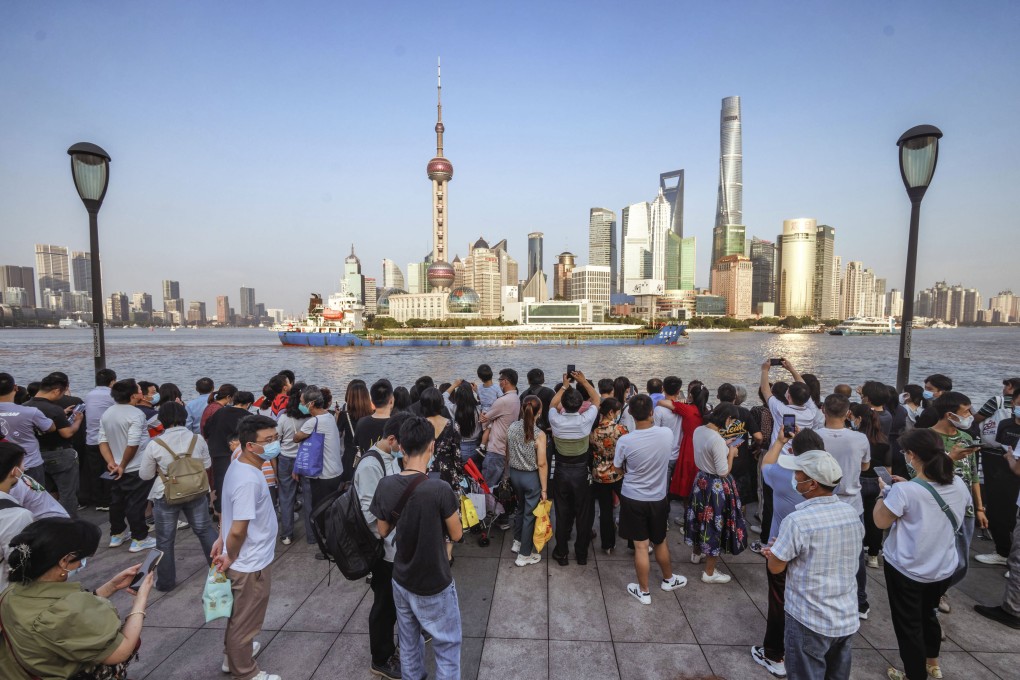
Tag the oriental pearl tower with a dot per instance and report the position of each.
(440, 171)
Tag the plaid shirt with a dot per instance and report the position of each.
(821, 541)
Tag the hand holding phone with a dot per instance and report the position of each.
(775, 362)
(789, 425)
(109, 476)
(884, 475)
(152, 559)
(570, 371)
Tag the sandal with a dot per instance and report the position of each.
(894, 674)
(934, 671)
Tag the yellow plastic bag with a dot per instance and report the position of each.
(468, 514)
(543, 527)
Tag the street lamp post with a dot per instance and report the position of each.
(919, 152)
(90, 168)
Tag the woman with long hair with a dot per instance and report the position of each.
(463, 404)
(920, 550)
(529, 475)
(401, 399)
(357, 404)
(814, 387)
(865, 420)
(606, 479)
(692, 415)
(622, 392)
(291, 485)
(913, 400)
(224, 396)
(715, 520)
(169, 392)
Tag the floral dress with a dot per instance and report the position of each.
(603, 440)
(447, 464)
(715, 520)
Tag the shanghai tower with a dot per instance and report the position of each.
(728, 234)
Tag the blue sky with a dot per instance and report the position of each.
(252, 143)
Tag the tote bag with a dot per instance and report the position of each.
(308, 462)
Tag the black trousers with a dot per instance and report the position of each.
(766, 511)
(572, 502)
(94, 491)
(912, 607)
(219, 468)
(775, 625)
(603, 495)
(382, 618)
(321, 488)
(1000, 492)
(872, 534)
(128, 498)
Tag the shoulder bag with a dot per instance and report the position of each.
(308, 462)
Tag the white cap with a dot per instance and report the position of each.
(817, 465)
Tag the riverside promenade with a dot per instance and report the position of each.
(542, 621)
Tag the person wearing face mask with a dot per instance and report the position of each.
(246, 545)
(151, 399)
(314, 403)
(219, 431)
(920, 549)
(934, 387)
(13, 517)
(155, 460)
(60, 460)
(1000, 485)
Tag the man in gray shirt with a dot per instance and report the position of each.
(643, 455)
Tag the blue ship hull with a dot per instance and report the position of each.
(668, 335)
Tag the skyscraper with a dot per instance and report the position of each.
(797, 267)
(196, 313)
(370, 295)
(223, 309)
(729, 205)
(81, 271)
(602, 241)
(727, 239)
(561, 275)
(660, 225)
(117, 308)
(481, 269)
(636, 260)
(534, 253)
(850, 290)
(591, 283)
(733, 280)
(674, 193)
(763, 262)
(141, 302)
(826, 285)
(508, 269)
(392, 277)
(14, 276)
(51, 264)
(353, 281)
(688, 262)
(171, 289)
(247, 308)
(440, 171)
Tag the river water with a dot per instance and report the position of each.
(976, 358)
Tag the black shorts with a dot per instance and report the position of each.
(643, 520)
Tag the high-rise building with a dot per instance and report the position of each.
(223, 310)
(880, 297)
(796, 269)
(729, 204)
(728, 239)
(392, 277)
(688, 262)
(459, 275)
(508, 269)
(171, 289)
(602, 240)
(671, 184)
(826, 285)
(763, 262)
(561, 275)
(680, 262)
(481, 269)
(15, 276)
(353, 281)
(415, 279)
(534, 253)
(660, 225)
(733, 279)
(81, 271)
(247, 308)
(895, 304)
(440, 172)
(370, 295)
(536, 288)
(1001, 306)
(851, 303)
(117, 306)
(592, 283)
(196, 313)
(636, 260)
(141, 302)
(53, 268)
(275, 314)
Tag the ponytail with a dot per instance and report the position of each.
(530, 410)
(928, 447)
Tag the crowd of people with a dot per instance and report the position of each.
(823, 486)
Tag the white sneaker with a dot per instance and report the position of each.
(266, 676)
(756, 528)
(674, 583)
(516, 547)
(716, 577)
(635, 590)
(776, 668)
(144, 544)
(697, 558)
(117, 540)
(255, 647)
(873, 561)
(182, 524)
(525, 560)
(992, 558)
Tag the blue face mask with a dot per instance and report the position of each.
(928, 394)
(1016, 411)
(304, 409)
(270, 451)
(397, 453)
(75, 571)
(794, 484)
(155, 399)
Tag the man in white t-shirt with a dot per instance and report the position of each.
(852, 451)
(798, 401)
(245, 548)
(643, 455)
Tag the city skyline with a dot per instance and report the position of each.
(819, 135)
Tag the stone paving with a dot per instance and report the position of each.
(542, 621)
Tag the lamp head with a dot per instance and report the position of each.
(919, 153)
(90, 169)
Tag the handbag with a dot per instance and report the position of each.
(468, 514)
(217, 596)
(308, 462)
(543, 527)
(959, 533)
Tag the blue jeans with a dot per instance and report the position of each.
(289, 490)
(812, 656)
(528, 488)
(166, 516)
(467, 449)
(438, 614)
(492, 469)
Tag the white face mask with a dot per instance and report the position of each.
(961, 422)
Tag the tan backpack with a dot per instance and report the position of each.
(185, 478)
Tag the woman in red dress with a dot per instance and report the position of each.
(692, 415)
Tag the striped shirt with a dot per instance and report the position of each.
(821, 541)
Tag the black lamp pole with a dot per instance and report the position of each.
(919, 152)
(90, 169)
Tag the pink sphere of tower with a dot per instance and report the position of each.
(441, 275)
(439, 169)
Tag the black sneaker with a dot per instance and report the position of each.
(390, 669)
